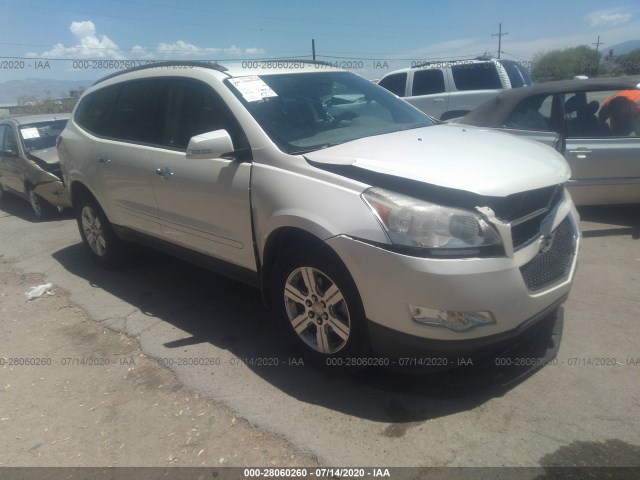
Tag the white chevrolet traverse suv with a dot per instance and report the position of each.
(374, 234)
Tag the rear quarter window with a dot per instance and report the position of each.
(94, 111)
(476, 76)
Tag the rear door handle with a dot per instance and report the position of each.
(103, 160)
(438, 100)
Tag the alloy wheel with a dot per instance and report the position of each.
(93, 231)
(317, 310)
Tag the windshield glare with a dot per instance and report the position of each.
(309, 111)
(41, 135)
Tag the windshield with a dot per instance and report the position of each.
(302, 112)
(41, 135)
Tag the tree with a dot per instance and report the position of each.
(566, 63)
(629, 63)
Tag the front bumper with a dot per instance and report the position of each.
(389, 282)
(55, 193)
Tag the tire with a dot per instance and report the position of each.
(98, 236)
(316, 303)
(39, 206)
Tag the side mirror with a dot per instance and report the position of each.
(209, 145)
(8, 153)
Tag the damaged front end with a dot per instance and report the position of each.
(46, 178)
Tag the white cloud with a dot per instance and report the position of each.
(184, 49)
(89, 44)
(608, 18)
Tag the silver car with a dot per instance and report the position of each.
(29, 166)
(594, 123)
(375, 236)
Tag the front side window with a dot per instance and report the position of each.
(194, 108)
(41, 135)
(395, 83)
(476, 76)
(308, 111)
(603, 114)
(3, 129)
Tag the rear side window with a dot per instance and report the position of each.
(139, 112)
(94, 112)
(395, 83)
(476, 76)
(427, 82)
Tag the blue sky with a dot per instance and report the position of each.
(391, 32)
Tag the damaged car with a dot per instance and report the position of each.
(29, 166)
(375, 236)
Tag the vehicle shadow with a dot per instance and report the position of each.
(623, 219)
(14, 206)
(230, 316)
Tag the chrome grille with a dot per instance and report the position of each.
(553, 261)
(526, 219)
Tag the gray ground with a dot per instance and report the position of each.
(230, 406)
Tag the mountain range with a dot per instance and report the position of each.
(38, 88)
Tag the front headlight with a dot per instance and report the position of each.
(445, 231)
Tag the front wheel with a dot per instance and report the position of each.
(40, 207)
(98, 236)
(317, 304)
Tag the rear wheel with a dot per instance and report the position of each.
(105, 248)
(318, 306)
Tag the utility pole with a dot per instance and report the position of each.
(499, 35)
(313, 48)
(597, 44)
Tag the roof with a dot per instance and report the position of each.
(251, 67)
(493, 112)
(47, 117)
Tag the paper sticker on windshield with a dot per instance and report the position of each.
(252, 88)
(28, 133)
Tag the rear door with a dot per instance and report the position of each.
(123, 159)
(429, 91)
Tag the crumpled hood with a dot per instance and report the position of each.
(48, 155)
(477, 160)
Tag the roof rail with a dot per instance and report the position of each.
(171, 63)
(424, 63)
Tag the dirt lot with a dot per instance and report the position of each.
(91, 397)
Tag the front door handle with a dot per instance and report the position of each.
(580, 152)
(164, 173)
(438, 100)
(103, 160)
